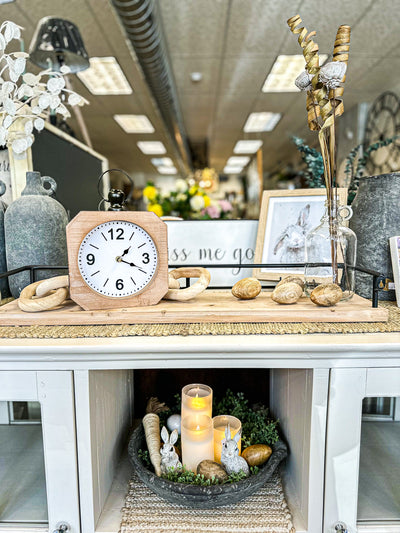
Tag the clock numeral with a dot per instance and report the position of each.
(90, 259)
(119, 284)
(146, 258)
(119, 234)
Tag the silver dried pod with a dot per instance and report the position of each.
(303, 81)
(332, 74)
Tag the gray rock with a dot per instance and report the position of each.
(35, 232)
(376, 217)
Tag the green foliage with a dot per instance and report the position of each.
(314, 174)
(257, 426)
(144, 457)
(355, 171)
(187, 476)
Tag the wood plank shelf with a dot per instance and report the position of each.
(210, 307)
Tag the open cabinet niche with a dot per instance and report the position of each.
(107, 402)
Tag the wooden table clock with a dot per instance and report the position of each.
(117, 258)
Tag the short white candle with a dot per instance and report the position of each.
(197, 440)
(196, 400)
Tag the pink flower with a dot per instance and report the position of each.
(212, 211)
(225, 206)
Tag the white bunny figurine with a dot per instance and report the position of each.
(169, 457)
(230, 457)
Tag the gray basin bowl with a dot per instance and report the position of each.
(195, 496)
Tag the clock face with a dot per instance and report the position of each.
(383, 122)
(117, 259)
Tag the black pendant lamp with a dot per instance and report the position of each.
(57, 42)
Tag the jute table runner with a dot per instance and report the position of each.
(160, 330)
(264, 512)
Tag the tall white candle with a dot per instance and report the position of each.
(196, 400)
(197, 440)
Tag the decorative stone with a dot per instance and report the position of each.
(291, 279)
(326, 295)
(246, 289)
(288, 293)
(35, 232)
(211, 469)
(376, 218)
(257, 454)
(174, 422)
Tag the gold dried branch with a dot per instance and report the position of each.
(155, 406)
(310, 53)
(341, 53)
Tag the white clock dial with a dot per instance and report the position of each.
(117, 259)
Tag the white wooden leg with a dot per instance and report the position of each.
(347, 390)
(56, 395)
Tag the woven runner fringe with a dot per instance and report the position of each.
(165, 330)
(266, 511)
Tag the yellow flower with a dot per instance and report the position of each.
(150, 192)
(207, 200)
(156, 208)
(193, 189)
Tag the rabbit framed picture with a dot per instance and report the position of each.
(286, 216)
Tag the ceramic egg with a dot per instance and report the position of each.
(174, 422)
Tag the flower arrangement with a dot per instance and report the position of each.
(185, 201)
(25, 96)
(324, 88)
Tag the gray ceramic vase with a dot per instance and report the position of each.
(376, 218)
(35, 232)
(4, 288)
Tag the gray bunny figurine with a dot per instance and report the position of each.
(169, 457)
(230, 457)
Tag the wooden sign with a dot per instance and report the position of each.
(206, 242)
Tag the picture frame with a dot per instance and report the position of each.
(286, 216)
(395, 255)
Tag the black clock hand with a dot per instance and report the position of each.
(120, 260)
(125, 251)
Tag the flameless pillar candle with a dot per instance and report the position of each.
(196, 400)
(220, 423)
(197, 440)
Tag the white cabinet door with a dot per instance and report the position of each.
(348, 388)
(55, 392)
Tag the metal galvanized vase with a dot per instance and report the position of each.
(376, 217)
(35, 232)
(4, 288)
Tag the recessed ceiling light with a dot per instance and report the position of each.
(134, 123)
(247, 147)
(196, 76)
(265, 121)
(232, 169)
(162, 169)
(238, 161)
(164, 161)
(105, 76)
(284, 71)
(152, 147)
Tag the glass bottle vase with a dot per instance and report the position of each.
(330, 251)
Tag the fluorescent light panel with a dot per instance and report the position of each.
(264, 121)
(232, 169)
(162, 161)
(105, 77)
(238, 161)
(247, 147)
(284, 72)
(134, 123)
(152, 147)
(162, 169)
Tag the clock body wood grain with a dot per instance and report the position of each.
(117, 259)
